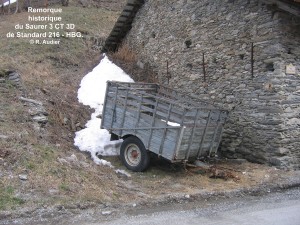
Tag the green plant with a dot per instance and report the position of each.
(46, 152)
(9, 84)
(30, 165)
(64, 187)
(7, 198)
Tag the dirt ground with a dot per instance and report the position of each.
(39, 166)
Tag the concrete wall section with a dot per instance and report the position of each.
(264, 124)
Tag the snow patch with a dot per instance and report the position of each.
(173, 124)
(123, 172)
(8, 2)
(92, 93)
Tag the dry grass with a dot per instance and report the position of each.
(51, 75)
(125, 54)
(127, 59)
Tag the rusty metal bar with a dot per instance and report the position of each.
(252, 60)
(168, 74)
(203, 64)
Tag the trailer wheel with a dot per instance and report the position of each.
(134, 154)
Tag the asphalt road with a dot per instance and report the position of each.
(279, 208)
(275, 209)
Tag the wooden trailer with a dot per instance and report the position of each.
(154, 118)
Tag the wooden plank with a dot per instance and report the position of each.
(172, 94)
(123, 23)
(189, 121)
(152, 124)
(168, 147)
(104, 107)
(114, 34)
(162, 100)
(130, 120)
(203, 137)
(165, 131)
(124, 113)
(128, 8)
(192, 136)
(148, 110)
(285, 6)
(154, 146)
(288, 8)
(194, 150)
(195, 144)
(184, 101)
(133, 85)
(166, 99)
(161, 108)
(135, 2)
(214, 137)
(131, 2)
(126, 13)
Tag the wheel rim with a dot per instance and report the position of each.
(132, 155)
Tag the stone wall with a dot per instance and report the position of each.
(264, 121)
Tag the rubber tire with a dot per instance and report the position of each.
(145, 157)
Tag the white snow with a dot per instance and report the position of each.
(173, 124)
(92, 93)
(8, 2)
(123, 172)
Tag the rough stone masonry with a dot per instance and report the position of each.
(208, 47)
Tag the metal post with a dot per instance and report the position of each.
(203, 64)
(168, 76)
(252, 60)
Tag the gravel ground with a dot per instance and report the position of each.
(209, 201)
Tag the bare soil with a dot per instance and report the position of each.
(39, 166)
